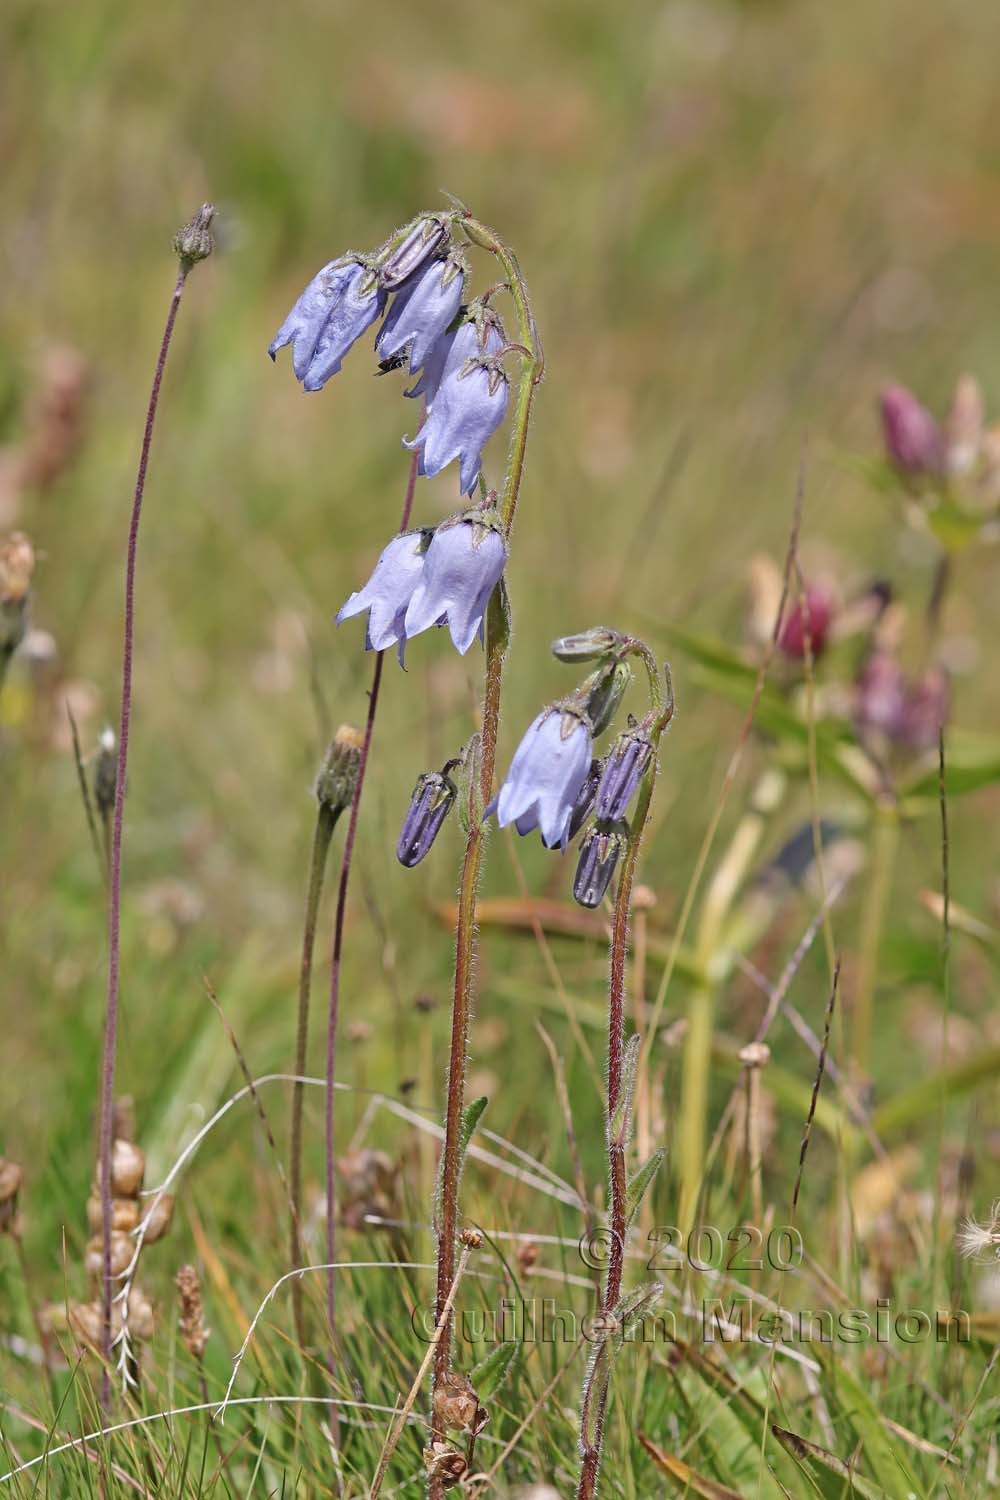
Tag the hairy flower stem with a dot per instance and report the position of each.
(618, 1129)
(335, 968)
(325, 823)
(110, 1044)
(465, 934)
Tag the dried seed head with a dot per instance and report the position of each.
(11, 1178)
(755, 1055)
(445, 1463)
(981, 1241)
(339, 772)
(527, 1257)
(360, 1032)
(141, 1316)
(124, 1214)
(456, 1405)
(194, 241)
(86, 1323)
(128, 1167)
(157, 1221)
(194, 1334)
(121, 1255)
(472, 1239)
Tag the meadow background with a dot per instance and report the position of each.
(738, 222)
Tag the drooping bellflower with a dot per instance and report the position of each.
(421, 311)
(389, 590)
(546, 776)
(467, 398)
(480, 333)
(338, 305)
(462, 567)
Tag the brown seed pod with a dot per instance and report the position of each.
(445, 1463)
(156, 1221)
(456, 1404)
(124, 1214)
(128, 1167)
(141, 1317)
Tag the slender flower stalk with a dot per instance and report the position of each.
(465, 936)
(192, 243)
(333, 1012)
(617, 1122)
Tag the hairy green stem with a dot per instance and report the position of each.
(465, 935)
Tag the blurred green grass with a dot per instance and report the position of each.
(737, 222)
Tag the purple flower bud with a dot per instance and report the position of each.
(335, 309)
(913, 440)
(461, 568)
(389, 590)
(480, 333)
(423, 241)
(926, 709)
(623, 770)
(433, 798)
(421, 311)
(546, 777)
(819, 604)
(599, 854)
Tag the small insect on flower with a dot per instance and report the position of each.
(338, 305)
(547, 776)
(981, 1242)
(388, 591)
(421, 311)
(462, 566)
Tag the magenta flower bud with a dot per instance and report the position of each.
(461, 568)
(600, 852)
(389, 590)
(433, 798)
(421, 311)
(546, 776)
(623, 770)
(914, 442)
(424, 240)
(819, 605)
(336, 308)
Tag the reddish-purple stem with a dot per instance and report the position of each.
(115, 878)
(338, 950)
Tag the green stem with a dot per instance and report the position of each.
(465, 935)
(325, 824)
(886, 844)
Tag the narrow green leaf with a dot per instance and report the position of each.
(883, 1457)
(829, 1475)
(618, 1125)
(490, 1373)
(640, 1184)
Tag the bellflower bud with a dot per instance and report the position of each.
(421, 311)
(546, 776)
(462, 567)
(339, 771)
(913, 440)
(587, 645)
(433, 798)
(423, 241)
(624, 768)
(584, 801)
(480, 333)
(599, 854)
(388, 591)
(194, 242)
(336, 308)
(607, 693)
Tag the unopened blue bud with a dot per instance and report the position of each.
(599, 854)
(433, 798)
(623, 770)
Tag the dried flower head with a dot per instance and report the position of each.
(445, 1464)
(194, 1334)
(339, 772)
(981, 1242)
(456, 1405)
(369, 1182)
